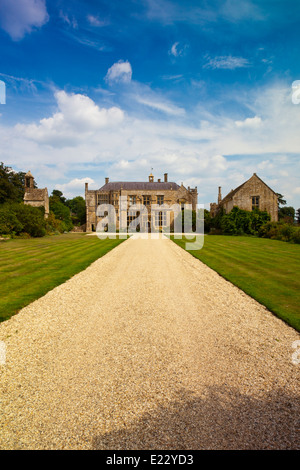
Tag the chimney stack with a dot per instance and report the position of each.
(106, 180)
(220, 195)
(158, 180)
(166, 177)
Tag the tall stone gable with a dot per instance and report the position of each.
(254, 193)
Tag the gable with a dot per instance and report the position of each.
(247, 184)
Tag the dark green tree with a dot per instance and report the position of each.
(11, 184)
(59, 195)
(59, 209)
(287, 213)
(281, 200)
(17, 218)
(78, 210)
(239, 221)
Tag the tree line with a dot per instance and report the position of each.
(22, 220)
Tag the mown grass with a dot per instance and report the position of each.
(30, 268)
(267, 270)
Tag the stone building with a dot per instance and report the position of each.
(34, 196)
(254, 193)
(155, 196)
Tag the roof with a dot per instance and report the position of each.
(34, 194)
(28, 174)
(234, 191)
(139, 186)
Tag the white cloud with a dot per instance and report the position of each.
(77, 118)
(76, 186)
(249, 122)
(163, 106)
(226, 62)
(19, 17)
(235, 10)
(178, 50)
(95, 21)
(70, 21)
(120, 72)
(198, 148)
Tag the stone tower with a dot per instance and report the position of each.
(34, 196)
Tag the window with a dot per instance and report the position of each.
(255, 202)
(102, 199)
(146, 200)
(132, 217)
(160, 219)
(132, 200)
(160, 200)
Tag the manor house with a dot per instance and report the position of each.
(155, 196)
(253, 194)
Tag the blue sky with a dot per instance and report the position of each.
(201, 90)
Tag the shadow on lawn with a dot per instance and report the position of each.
(227, 420)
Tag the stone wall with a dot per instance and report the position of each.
(181, 195)
(255, 187)
(242, 197)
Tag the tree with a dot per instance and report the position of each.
(239, 221)
(17, 218)
(31, 218)
(78, 209)
(287, 213)
(9, 222)
(207, 221)
(60, 210)
(59, 195)
(281, 200)
(11, 184)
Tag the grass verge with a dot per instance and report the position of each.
(30, 268)
(267, 270)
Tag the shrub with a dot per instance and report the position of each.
(239, 221)
(280, 231)
(61, 212)
(8, 221)
(296, 235)
(17, 218)
(31, 218)
(53, 225)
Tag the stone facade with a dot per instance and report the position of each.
(35, 197)
(155, 196)
(254, 193)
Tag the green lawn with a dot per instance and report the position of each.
(30, 268)
(267, 270)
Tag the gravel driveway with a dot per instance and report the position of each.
(148, 348)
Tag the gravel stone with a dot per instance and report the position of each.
(148, 348)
